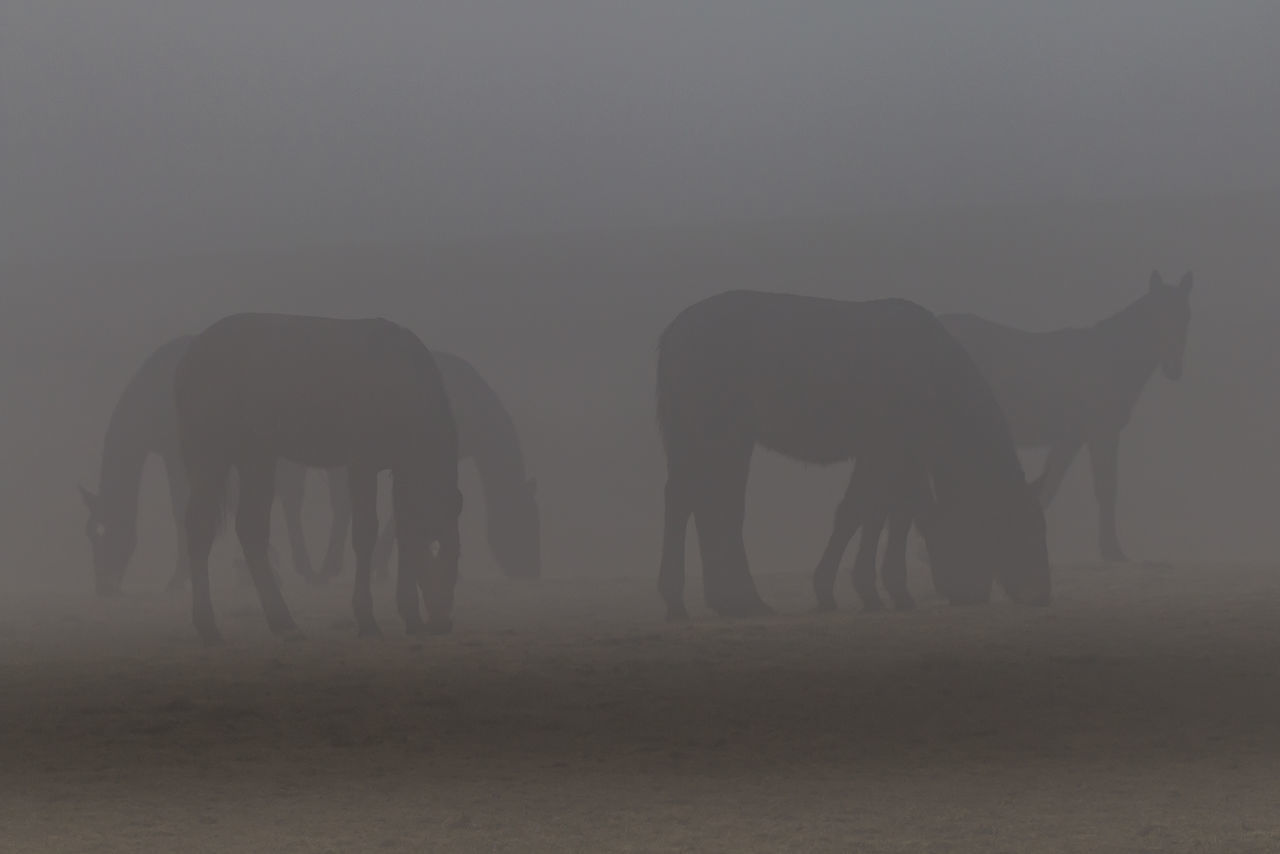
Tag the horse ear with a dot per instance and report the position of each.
(90, 500)
(1185, 284)
(1155, 283)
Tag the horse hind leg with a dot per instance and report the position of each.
(253, 528)
(362, 485)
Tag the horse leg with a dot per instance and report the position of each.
(382, 551)
(848, 518)
(1104, 455)
(864, 565)
(362, 486)
(203, 515)
(253, 528)
(340, 521)
(1056, 465)
(719, 513)
(178, 493)
(677, 508)
(291, 481)
(894, 569)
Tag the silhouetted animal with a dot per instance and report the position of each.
(1073, 387)
(144, 423)
(325, 393)
(823, 381)
(487, 435)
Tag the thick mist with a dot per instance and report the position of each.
(158, 128)
(540, 188)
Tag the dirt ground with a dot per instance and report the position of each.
(1139, 713)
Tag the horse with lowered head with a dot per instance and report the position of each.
(1065, 388)
(823, 381)
(143, 423)
(365, 395)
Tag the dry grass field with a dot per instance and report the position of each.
(1140, 713)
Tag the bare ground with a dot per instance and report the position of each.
(1139, 713)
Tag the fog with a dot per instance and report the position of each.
(148, 127)
(540, 188)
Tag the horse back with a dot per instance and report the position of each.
(321, 391)
(1052, 385)
(812, 378)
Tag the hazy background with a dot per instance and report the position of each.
(539, 187)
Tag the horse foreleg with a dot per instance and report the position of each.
(848, 519)
(253, 528)
(362, 487)
(204, 509)
(382, 551)
(1104, 456)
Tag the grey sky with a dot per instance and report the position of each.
(154, 126)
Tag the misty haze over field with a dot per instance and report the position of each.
(160, 128)
(539, 188)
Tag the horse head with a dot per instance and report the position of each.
(111, 545)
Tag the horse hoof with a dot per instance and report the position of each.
(677, 614)
(370, 630)
(825, 606)
(906, 604)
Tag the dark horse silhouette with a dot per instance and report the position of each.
(1064, 388)
(487, 435)
(325, 393)
(143, 422)
(824, 381)
(1072, 387)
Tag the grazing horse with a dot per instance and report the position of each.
(487, 435)
(143, 423)
(1073, 387)
(823, 381)
(361, 394)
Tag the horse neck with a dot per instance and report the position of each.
(1129, 338)
(124, 453)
